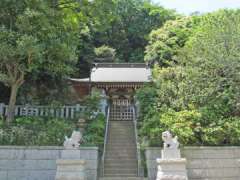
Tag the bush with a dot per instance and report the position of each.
(36, 131)
(198, 112)
(54, 132)
(44, 131)
(191, 129)
(184, 124)
(92, 106)
(94, 133)
(105, 53)
(198, 96)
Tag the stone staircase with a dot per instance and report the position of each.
(123, 178)
(121, 156)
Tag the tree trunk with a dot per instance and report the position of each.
(11, 104)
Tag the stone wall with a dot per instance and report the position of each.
(203, 163)
(39, 163)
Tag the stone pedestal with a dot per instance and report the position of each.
(171, 166)
(70, 169)
(171, 154)
(70, 154)
(172, 169)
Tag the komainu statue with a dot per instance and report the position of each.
(169, 141)
(74, 141)
(171, 166)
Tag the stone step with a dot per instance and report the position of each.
(121, 171)
(115, 171)
(120, 154)
(125, 160)
(120, 123)
(121, 138)
(126, 157)
(126, 128)
(120, 148)
(120, 175)
(130, 126)
(126, 142)
(130, 142)
(121, 145)
(124, 138)
(121, 161)
(111, 155)
(120, 119)
(120, 157)
(122, 129)
(122, 178)
(123, 134)
(118, 166)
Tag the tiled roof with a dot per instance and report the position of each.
(119, 72)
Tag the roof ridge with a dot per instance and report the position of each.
(123, 65)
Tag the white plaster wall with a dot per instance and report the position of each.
(203, 163)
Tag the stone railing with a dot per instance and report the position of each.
(215, 163)
(30, 110)
(39, 163)
(140, 170)
(105, 142)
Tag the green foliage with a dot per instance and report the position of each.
(94, 133)
(38, 38)
(165, 43)
(198, 99)
(125, 25)
(36, 131)
(55, 132)
(95, 128)
(35, 41)
(92, 106)
(212, 60)
(147, 96)
(65, 33)
(184, 124)
(105, 54)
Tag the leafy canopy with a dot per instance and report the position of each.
(198, 99)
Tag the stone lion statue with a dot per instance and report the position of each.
(169, 141)
(74, 141)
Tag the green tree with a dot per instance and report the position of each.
(105, 54)
(198, 98)
(36, 40)
(125, 25)
(212, 60)
(18, 55)
(165, 43)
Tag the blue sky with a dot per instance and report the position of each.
(189, 6)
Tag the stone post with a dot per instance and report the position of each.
(103, 102)
(78, 107)
(81, 124)
(1, 109)
(238, 167)
(70, 169)
(71, 166)
(171, 166)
